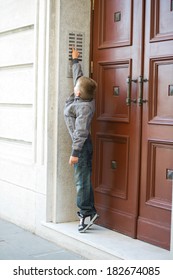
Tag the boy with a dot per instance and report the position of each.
(78, 112)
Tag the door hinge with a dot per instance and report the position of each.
(91, 67)
(92, 5)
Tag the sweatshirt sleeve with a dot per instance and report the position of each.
(77, 70)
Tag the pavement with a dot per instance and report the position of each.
(17, 243)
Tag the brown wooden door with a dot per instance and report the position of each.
(157, 126)
(116, 131)
(130, 142)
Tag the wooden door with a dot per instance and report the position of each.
(133, 139)
(116, 129)
(157, 126)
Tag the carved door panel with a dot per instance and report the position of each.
(132, 130)
(157, 129)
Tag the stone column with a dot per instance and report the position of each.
(66, 16)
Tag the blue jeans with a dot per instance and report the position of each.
(82, 175)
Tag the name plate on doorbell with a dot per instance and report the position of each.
(76, 41)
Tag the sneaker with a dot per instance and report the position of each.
(83, 227)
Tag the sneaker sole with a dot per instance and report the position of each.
(80, 230)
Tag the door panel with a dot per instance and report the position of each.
(114, 23)
(112, 94)
(132, 128)
(157, 131)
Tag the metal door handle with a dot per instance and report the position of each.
(141, 80)
(128, 98)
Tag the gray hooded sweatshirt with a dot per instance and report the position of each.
(78, 114)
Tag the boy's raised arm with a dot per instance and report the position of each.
(77, 70)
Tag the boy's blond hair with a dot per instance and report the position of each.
(87, 87)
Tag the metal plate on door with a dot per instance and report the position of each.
(113, 164)
(169, 174)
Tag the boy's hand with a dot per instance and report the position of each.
(73, 160)
(75, 53)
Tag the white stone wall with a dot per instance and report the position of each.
(17, 24)
(22, 111)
